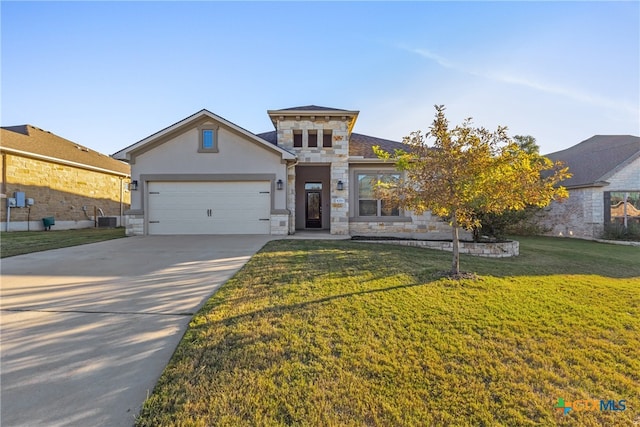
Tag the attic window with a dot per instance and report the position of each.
(208, 139)
(326, 138)
(313, 139)
(297, 138)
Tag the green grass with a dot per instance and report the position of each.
(24, 242)
(326, 333)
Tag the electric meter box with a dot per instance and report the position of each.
(30, 202)
(20, 199)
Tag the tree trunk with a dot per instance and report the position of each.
(455, 265)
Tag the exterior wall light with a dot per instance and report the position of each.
(133, 185)
(340, 186)
(279, 184)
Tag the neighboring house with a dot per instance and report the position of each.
(206, 175)
(64, 180)
(604, 188)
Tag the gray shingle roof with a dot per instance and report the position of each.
(271, 137)
(362, 145)
(359, 145)
(33, 140)
(594, 160)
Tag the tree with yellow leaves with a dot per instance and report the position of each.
(468, 170)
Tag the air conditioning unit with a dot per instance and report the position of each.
(107, 221)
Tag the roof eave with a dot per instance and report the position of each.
(353, 114)
(64, 162)
(361, 159)
(586, 185)
(132, 149)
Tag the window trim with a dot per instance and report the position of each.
(213, 128)
(356, 197)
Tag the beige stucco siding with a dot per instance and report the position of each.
(236, 155)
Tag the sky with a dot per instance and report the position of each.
(108, 74)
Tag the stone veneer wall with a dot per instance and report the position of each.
(489, 250)
(134, 223)
(425, 226)
(337, 155)
(60, 191)
(280, 224)
(582, 214)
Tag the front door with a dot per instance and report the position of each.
(313, 202)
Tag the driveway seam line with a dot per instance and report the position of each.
(151, 313)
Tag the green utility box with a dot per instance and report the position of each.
(48, 222)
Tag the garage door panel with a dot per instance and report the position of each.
(209, 207)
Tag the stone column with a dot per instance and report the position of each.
(291, 198)
(340, 198)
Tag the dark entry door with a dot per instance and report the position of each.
(313, 217)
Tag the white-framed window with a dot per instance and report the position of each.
(208, 139)
(367, 204)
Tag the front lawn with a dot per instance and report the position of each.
(326, 333)
(24, 242)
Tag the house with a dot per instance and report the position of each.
(604, 188)
(207, 175)
(46, 176)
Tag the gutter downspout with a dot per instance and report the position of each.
(121, 198)
(4, 186)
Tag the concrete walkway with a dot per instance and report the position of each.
(87, 330)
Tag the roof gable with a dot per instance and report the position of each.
(129, 153)
(29, 140)
(594, 160)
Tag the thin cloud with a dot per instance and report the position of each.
(575, 95)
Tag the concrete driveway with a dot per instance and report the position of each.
(87, 331)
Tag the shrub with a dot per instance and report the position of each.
(618, 231)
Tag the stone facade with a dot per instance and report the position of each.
(280, 224)
(336, 157)
(304, 133)
(582, 214)
(72, 195)
(134, 223)
(425, 226)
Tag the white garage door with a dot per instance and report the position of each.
(209, 207)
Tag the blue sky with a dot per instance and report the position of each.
(106, 75)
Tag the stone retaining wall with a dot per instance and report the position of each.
(489, 250)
